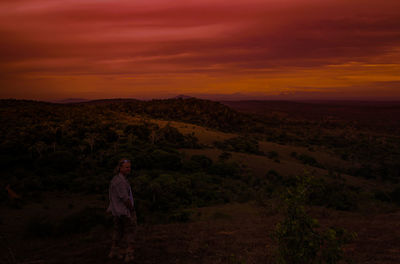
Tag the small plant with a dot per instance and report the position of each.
(308, 160)
(202, 160)
(334, 195)
(298, 240)
(274, 177)
(224, 156)
(242, 144)
(272, 154)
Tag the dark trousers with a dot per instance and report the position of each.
(124, 232)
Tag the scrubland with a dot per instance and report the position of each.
(211, 184)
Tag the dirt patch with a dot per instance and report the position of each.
(232, 233)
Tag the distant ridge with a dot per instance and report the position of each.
(71, 101)
(292, 96)
(182, 96)
(95, 101)
(113, 100)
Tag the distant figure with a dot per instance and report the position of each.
(123, 211)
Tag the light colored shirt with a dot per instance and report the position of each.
(119, 191)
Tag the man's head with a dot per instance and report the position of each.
(124, 167)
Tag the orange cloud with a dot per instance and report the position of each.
(53, 49)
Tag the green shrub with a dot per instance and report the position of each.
(140, 131)
(297, 236)
(332, 195)
(365, 171)
(272, 154)
(273, 177)
(225, 169)
(204, 161)
(141, 161)
(224, 156)
(165, 160)
(60, 161)
(172, 135)
(382, 196)
(240, 144)
(308, 160)
(191, 166)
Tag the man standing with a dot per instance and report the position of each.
(123, 211)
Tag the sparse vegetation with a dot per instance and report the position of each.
(308, 160)
(243, 144)
(72, 149)
(297, 236)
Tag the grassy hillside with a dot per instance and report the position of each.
(208, 180)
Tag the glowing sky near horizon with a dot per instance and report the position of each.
(52, 49)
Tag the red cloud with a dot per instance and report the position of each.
(128, 37)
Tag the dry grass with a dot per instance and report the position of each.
(233, 233)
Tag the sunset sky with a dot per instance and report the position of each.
(51, 49)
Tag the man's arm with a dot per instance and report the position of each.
(128, 204)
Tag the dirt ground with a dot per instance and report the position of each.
(232, 233)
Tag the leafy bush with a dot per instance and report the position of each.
(272, 154)
(225, 169)
(274, 177)
(170, 136)
(332, 195)
(165, 160)
(308, 160)
(60, 161)
(297, 236)
(224, 156)
(202, 160)
(157, 159)
(191, 166)
(240, 144)
(382, 196)
(141, 131)
(365, 171)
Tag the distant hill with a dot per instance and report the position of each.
(191, 110)
(114, 100)
(226, 115)
(70, 101)
(182, 96)
(378, 115)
